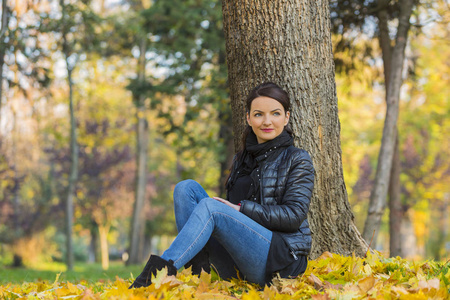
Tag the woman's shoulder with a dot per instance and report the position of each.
(299, 159)
(296, 153)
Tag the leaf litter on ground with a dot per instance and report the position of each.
(330, 276)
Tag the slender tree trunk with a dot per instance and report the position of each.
(17, 256)
(289, 42)
(5, 20)
(72, 177)
(378, 196)
(93, 247)
(395, 205)
(103, 234)
(138, 222)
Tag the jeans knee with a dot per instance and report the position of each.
(183, 187)
(210, 204)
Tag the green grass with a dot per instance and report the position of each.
(82, 271)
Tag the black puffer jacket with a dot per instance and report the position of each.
(281, 201)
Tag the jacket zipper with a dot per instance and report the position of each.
(293, 254)
(261, 185)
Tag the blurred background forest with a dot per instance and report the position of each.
(102, 78)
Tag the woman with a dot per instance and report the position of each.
(262, 229)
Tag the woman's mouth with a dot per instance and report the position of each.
(267, 130)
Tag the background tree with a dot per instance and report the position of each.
(139, 87)
(24, 78)
(3, 33)
(379, 20)
(288, 43)
(75, 27)
(393, 66)
(190, 38)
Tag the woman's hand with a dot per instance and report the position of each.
(236, 207)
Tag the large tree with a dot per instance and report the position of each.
(289, 43)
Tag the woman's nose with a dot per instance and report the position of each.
(267, 121)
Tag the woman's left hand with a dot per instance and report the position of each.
(236, 207)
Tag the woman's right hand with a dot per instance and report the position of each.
(234, 206)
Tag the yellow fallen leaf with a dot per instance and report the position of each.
(430, 284)
(367, 270)
(366, 284)
(320, 297)
(314, 280)
(325, 255)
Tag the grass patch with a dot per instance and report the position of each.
(91, 272)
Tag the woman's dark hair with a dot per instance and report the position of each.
(271, 90)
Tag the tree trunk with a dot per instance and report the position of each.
(5, 20)
(395, 205)
(72, 177)
(93, 246)
(103, 234)
(378, 196)
(17, 232)
(138, 222)
(289, 43)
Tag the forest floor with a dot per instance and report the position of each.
(329, 277)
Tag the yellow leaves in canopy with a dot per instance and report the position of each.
(329, 277)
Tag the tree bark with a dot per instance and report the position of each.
(289, 43)
(395, 205)
(138, 222)
(377, 202)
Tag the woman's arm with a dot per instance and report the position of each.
(293, 208)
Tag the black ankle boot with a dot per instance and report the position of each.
(199, 262)
(154, 264)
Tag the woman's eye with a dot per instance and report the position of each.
(257, 115)
(276, 113)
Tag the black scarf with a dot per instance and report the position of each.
(254, 153)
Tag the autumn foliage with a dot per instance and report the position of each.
(329, 277)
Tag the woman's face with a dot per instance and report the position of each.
(267, 118)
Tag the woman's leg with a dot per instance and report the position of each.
(186, 195)
(245, 240)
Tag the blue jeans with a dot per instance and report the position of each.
(234, 241)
